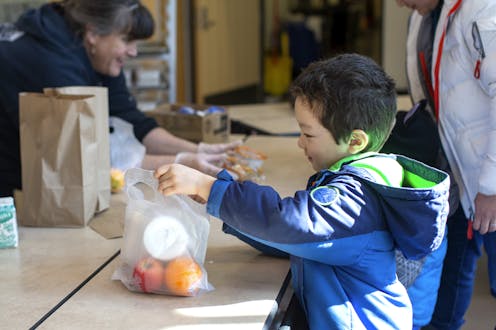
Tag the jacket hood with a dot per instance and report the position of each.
(414, 198)
(48, 25)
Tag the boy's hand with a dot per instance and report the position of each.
(180, 179)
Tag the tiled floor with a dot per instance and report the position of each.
(482, 312)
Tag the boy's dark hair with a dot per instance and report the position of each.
(128, 17)
(348, 92)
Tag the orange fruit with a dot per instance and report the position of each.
(116, 180)
(182, 276)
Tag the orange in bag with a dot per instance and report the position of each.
(182, 276)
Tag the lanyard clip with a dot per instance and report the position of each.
(477, 69)
(479, 47)
(470, 230)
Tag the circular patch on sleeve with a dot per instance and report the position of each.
(324, 195)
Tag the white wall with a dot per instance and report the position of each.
(394, 28)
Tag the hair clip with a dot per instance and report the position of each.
(133, 7)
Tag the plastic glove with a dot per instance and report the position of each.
(207, 163)
(217, 148)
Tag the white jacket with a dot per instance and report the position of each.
(467, 104)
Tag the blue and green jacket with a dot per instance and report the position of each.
(342, 231)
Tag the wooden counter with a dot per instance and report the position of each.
(46, 266)
(51, 264)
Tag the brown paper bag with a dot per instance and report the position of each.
(65, 156)
(102, 135)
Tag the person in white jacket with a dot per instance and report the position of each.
(460, 79)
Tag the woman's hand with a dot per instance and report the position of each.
(218, 148)
(210, 164)
(485, 213)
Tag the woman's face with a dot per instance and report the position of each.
(423, 7)
(108, 53)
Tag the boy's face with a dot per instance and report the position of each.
(319, 145)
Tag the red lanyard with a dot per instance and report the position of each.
(438, 59)
(426, 74)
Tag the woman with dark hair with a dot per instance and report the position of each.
(84, 43)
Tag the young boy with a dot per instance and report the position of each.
(342, 231)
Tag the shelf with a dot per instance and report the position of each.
(156, 59)
(152, 49)
(148, 88)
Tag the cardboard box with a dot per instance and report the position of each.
(200, 126)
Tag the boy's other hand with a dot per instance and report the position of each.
(180, 179)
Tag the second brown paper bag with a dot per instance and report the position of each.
(64, 155)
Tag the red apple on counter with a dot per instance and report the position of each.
(149, 274)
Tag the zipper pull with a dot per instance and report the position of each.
(479, 47)
(477, 69)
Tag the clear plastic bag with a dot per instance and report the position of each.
(164, 241)
(125, 150)
(246, 163)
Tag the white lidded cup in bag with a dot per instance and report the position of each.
(165, 238)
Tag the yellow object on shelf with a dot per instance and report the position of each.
(278, 69)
